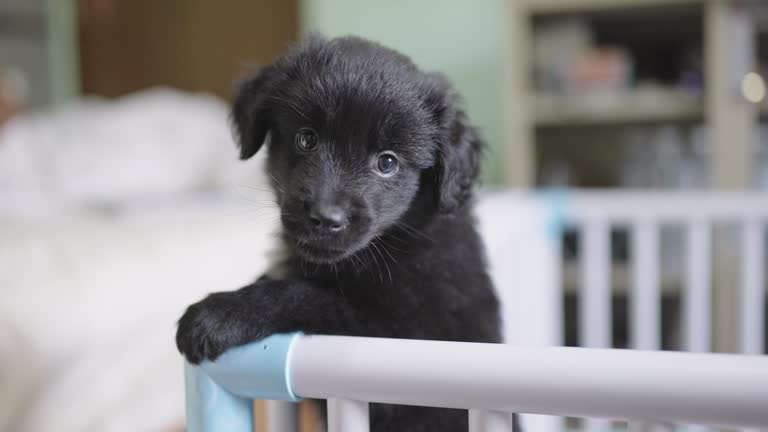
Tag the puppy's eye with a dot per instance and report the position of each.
(306, 139)
(386, 165)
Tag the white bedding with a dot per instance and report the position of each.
(91, 301)
(152, 144)
(101, 247)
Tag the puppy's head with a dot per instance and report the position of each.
(355, 132)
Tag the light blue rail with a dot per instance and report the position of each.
(219, 395)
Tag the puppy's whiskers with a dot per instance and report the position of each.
(359, 259)
(378, 268)
(339, 285)
(335, 271)
(373, 243)
(262, 212)
(416, 233)
(256, 188)
(277, 185)
(385, 243)
(259, 203)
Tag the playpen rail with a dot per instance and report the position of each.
(492, 380)
(712, 389)
(697, 297)
(752, 291)
(595, 307)
(621, 206)
(595, 213)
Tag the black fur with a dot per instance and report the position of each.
(407, 262)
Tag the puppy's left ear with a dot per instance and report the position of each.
(459, 147)
(251, 111)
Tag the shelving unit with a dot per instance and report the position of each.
(726, 34)
(23, 45)
(628, 109)
(561, 6)
(728, 117)
(40, 39)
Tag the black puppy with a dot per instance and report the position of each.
(373, 164)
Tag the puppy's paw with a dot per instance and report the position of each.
(212, 326)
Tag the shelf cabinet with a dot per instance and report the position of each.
(558, 124)
(715, 39)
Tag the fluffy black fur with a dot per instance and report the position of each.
(368, 255)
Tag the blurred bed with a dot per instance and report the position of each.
(116, 215)
(113, 216)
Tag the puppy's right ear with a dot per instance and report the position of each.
(251, 111)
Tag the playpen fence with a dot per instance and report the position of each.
(491, 380)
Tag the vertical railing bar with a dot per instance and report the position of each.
(481, 420)
(645, 301)
(697, 292)
(752, 289)
(346, 415)
(644, 295)
(556, 422)
(642, 426)
(697, 295)
(595, 295)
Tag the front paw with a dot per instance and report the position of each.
(212, 326)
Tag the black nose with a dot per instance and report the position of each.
(328, 217)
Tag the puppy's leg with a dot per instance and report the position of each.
(403, 418)
(227, 319)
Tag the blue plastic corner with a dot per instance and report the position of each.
(211, 408)
(258, 370)
(219, 395)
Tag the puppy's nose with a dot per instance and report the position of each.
(328, 217)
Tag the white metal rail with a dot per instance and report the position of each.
(594, 214)
(493, 380)
(710, 389)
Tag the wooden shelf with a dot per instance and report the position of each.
(558, 111)
(566, 6)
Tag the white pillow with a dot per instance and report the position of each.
(158, 142)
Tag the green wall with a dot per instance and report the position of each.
(463, 39)
(63, 55)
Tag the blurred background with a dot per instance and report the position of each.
(121, 200)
